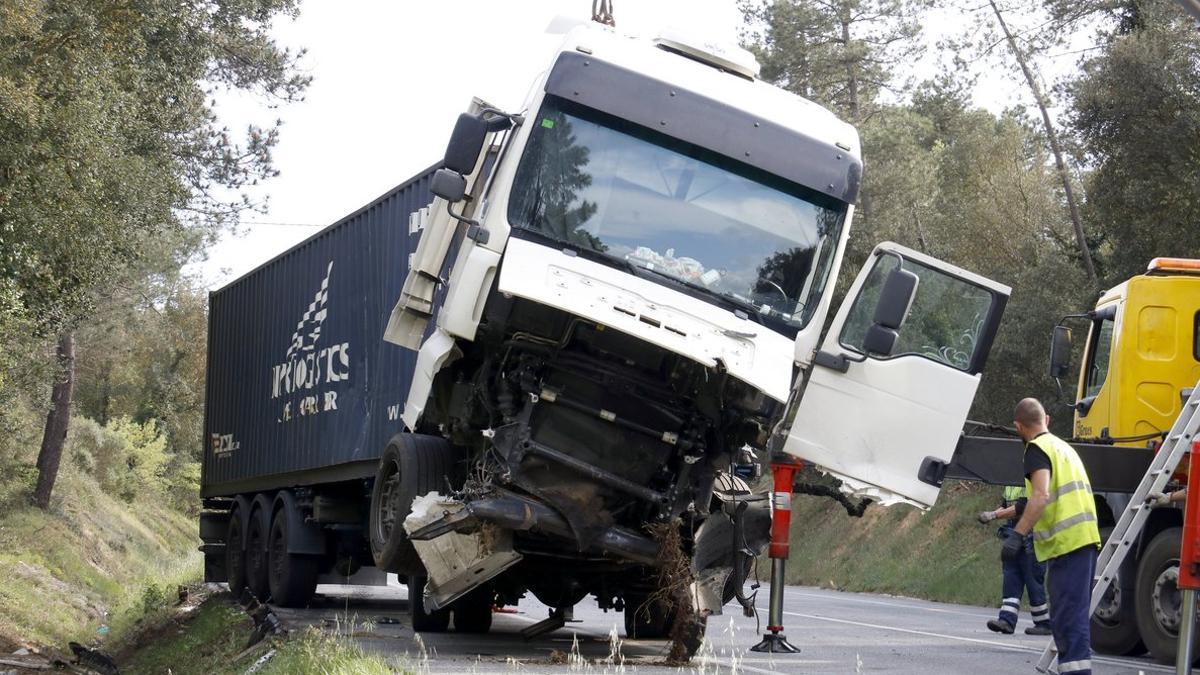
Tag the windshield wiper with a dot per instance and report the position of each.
(568, 247)
(729, 301)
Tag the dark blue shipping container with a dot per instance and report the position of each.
(302, 388)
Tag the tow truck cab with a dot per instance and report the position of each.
(1140, 361)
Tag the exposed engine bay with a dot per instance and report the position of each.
(580, 442)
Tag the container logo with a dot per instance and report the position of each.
(309, 368)
(223, 445)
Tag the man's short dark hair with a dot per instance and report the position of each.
(1030, 412)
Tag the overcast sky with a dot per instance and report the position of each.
(389, 79)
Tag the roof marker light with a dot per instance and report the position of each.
(1174, 265)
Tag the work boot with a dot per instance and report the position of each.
(1000, 626)
(1042, 628)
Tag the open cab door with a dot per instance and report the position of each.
(883, 402)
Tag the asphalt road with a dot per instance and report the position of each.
(837, 633)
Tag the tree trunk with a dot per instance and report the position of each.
(57, 422)
(851, 71)
(1055, 148)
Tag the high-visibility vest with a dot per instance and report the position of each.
(1014, 492)
(1069, 521)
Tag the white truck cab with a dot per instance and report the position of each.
(646, 256)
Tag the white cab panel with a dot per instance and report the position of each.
(876, 424)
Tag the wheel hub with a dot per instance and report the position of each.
(1109, 611)
(1166, 599)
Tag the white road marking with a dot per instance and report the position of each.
(1002, 645)
(846, 598)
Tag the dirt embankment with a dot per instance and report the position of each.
(943, 554)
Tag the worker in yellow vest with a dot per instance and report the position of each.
(1061, 516)
(1024, 574)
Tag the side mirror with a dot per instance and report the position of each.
(448, 185)
(895, 299)
(1060, 352)
(465, 144)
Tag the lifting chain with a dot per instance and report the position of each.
(602, 12)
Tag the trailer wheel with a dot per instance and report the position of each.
(412, 465)
(235, 555)
(256, 557)
(473, 612)
(1114, 625)
(422, 621)
(292, 577)
(1158, 598)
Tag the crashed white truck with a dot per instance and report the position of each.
(615, 312)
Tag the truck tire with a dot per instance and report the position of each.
(235, 555)
(422, 621)
(292, 578)
(473, 612)
(256, 557)
(1114, 625)
(1158, 598)
(412, 465)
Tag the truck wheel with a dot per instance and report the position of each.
(422, 621)
(473, 612)
(256, 557)
(1158, 598)
(292, 578)
(412, 465)
(235, 555)
(1114, 625)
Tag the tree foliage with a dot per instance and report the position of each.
(114, 173)
(108, 138)
(1136, 110)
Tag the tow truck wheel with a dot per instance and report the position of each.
(423, 621)
(473, 612)
(292, 578)
(1114, 625)
(235, 555)
(412, 465)
(256, 557)
(1158, 598)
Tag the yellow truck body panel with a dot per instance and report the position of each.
(1142, 351)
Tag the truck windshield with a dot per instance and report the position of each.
(676, 213)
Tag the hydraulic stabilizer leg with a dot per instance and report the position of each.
(783, 469)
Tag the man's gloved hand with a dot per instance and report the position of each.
(1157, 499)
(986, 517)
(1014, 543)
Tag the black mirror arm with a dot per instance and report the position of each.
(1062, 396)
(500, 120)
(474, 227)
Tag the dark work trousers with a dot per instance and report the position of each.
(1069, 577)
(1025, 574)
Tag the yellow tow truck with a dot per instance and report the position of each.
(1140, 361)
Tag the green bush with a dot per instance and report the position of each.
(127, 458)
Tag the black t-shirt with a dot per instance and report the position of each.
(1036, 458)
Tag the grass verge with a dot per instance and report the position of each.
(212, 639)
(943, 554)
(91, 569)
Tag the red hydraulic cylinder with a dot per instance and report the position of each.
(783, 469)
(1189, 551)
